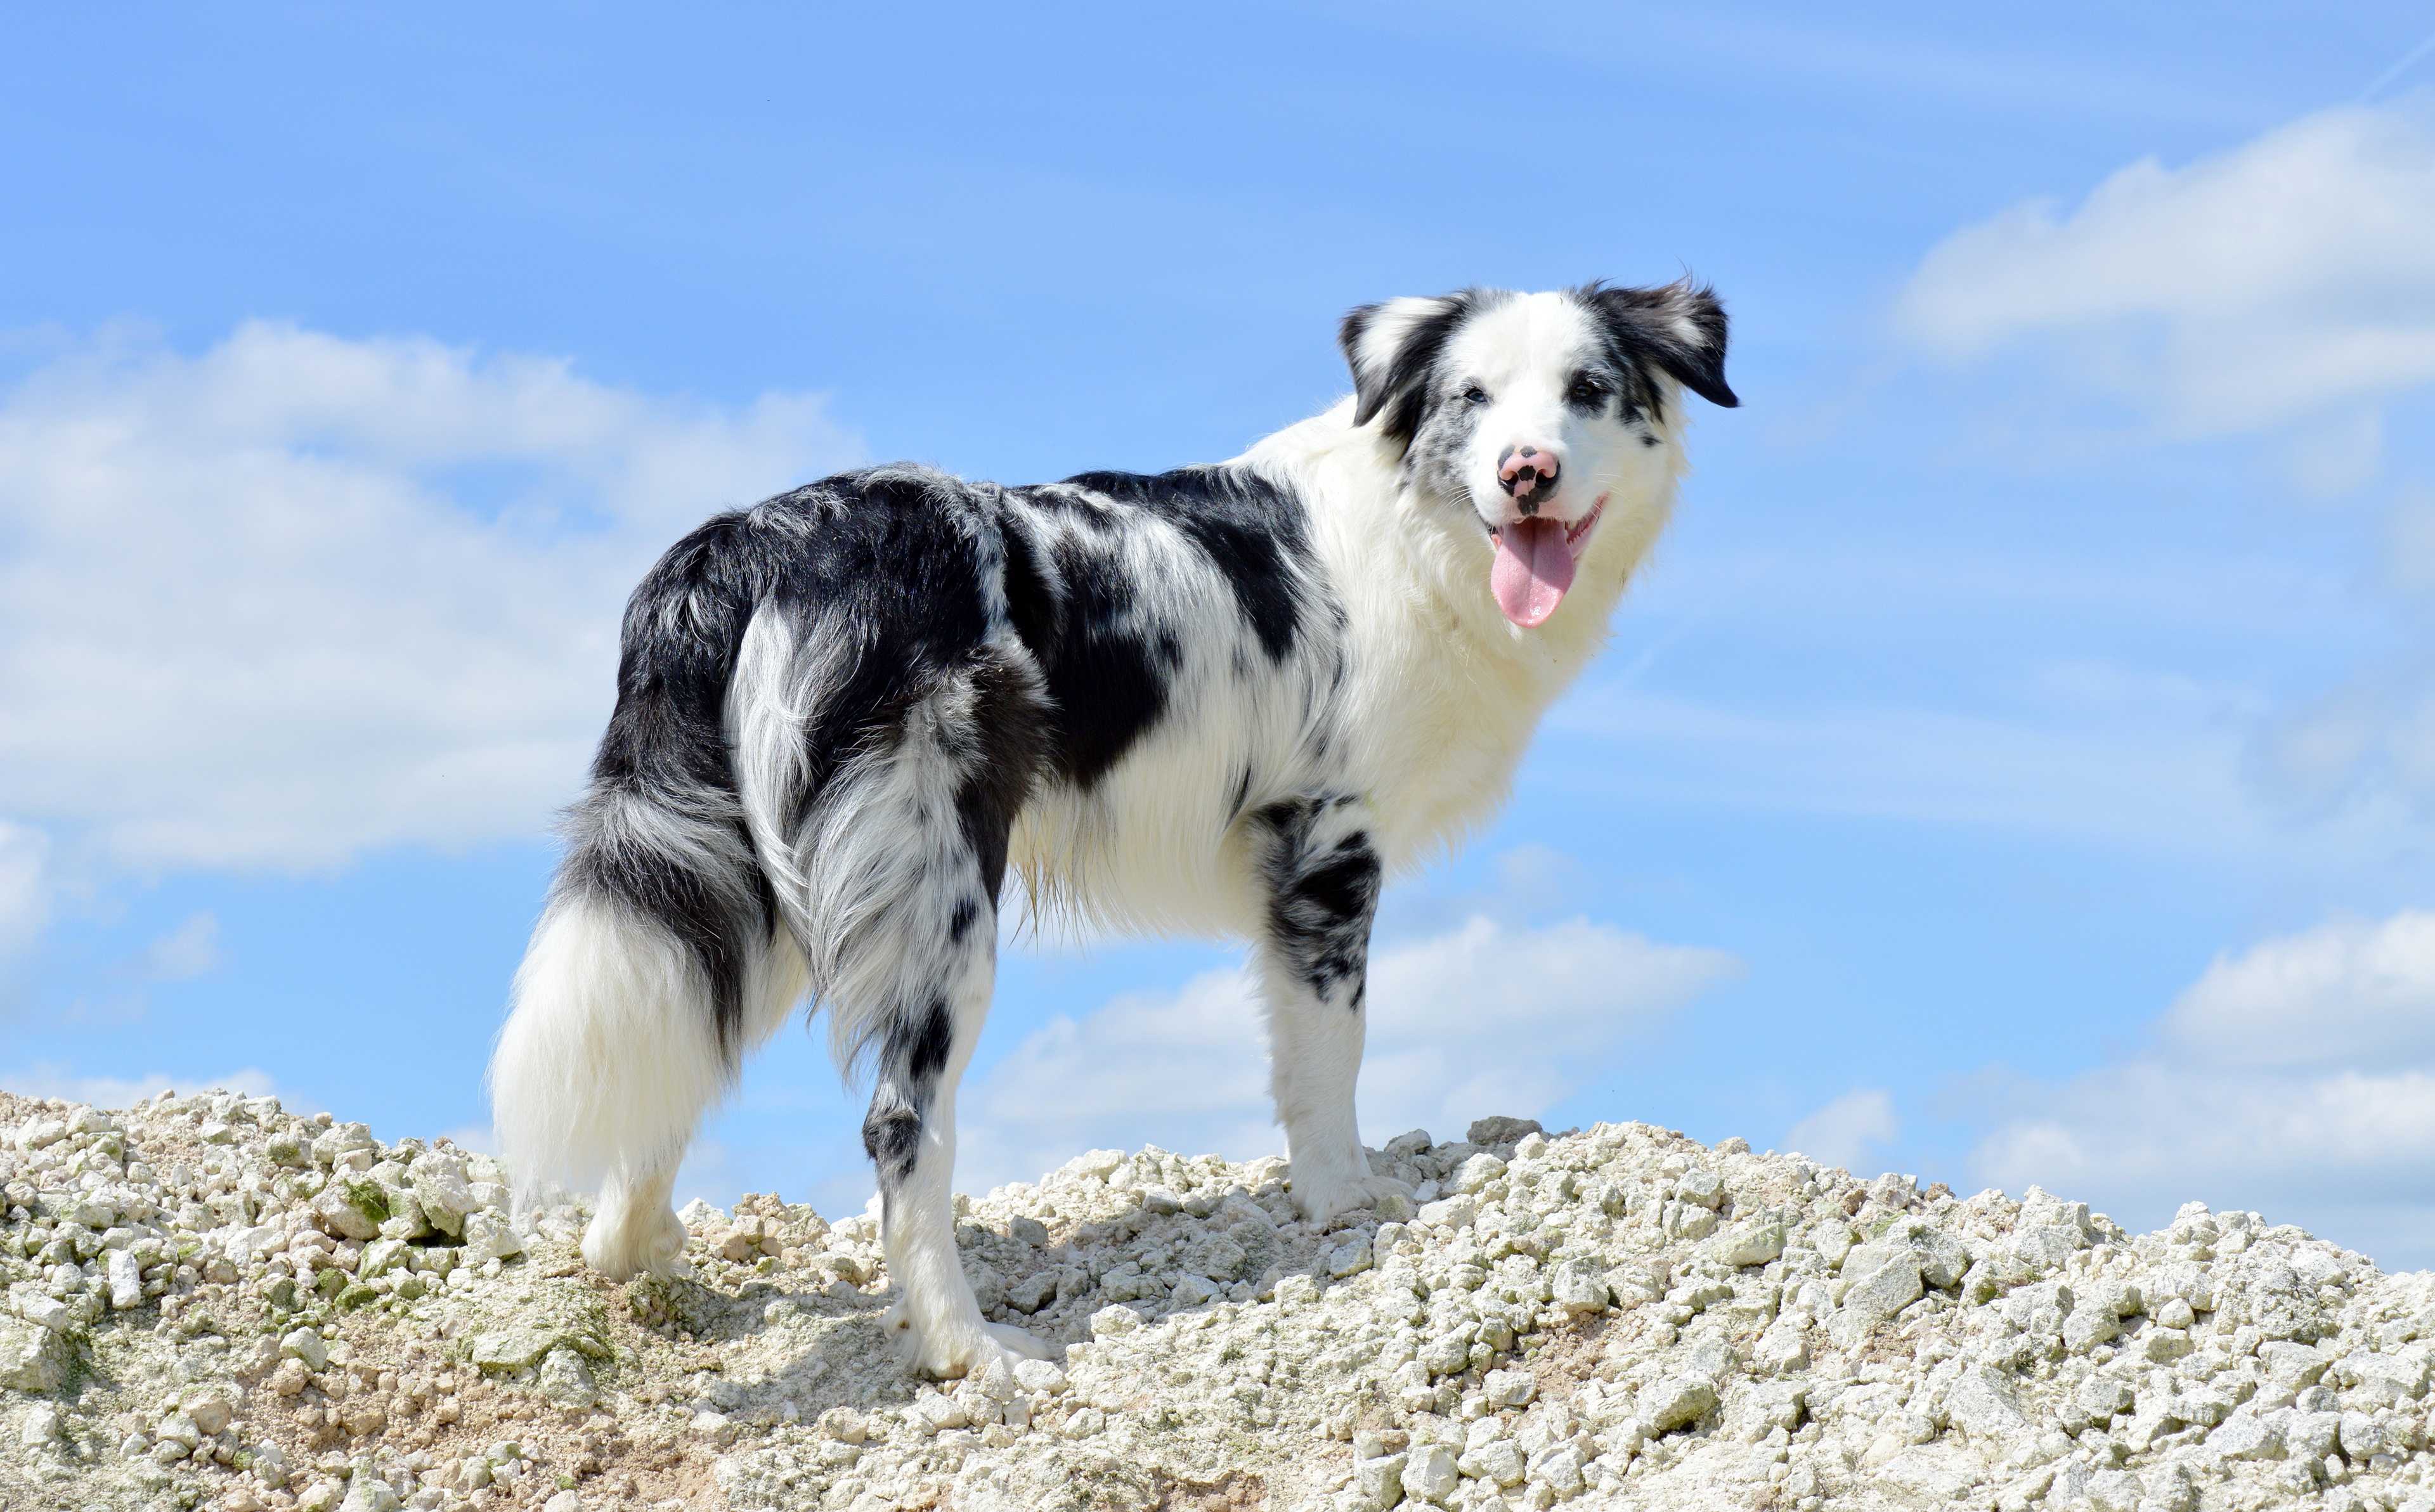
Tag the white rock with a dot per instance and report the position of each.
(40, 1308)
(1750, 1241)
(1475, 1174)
(1676, 1400)
(42, 1427)
(1508, 1388)
(1039, 1377)
(489, 1236)
(307, 1347)
(1498, 1462)
(1380, 1480)
(1429, 1473)
(2247, 1435)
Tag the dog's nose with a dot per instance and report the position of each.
(1529, 474)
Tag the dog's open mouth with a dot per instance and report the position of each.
(1534, 564)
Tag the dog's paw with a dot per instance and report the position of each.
(623, 1244)
(950, 1351)
(1020, 1345)
(1320, 1200)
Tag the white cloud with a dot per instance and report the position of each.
(24, 887)
(1186, 1069)
(1488, 1018)
(47, 1079)
(184, 953)
(301, 596)
(2297, 1078)
(2349, 992)
(1847, 1131)
(2284, 276)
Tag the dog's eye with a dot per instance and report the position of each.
(1474, 395)
(1586, 391)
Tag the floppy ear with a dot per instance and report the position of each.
(1679, 326)
(1391, 347)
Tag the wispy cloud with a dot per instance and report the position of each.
(301, 596)
(24, 886)
(2282, 277)
(1847, 1131)
(182, 954)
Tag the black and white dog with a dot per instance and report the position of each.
(1222, 700)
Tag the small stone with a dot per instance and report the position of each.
(321, 1495)
(2163, 1345)
(488, 1236)
(43, 1310)
(1700, 1187)
(1508, 1388)
(366, 1492)
(940, 1413)
(2088, 1327)
(41, 1427)
(1500, 1130)
(126, 1282)
(2176, 1314)
(308, 1346)
(211, 1412)
(2292, 1364)
(1380, 1480)
(1475, 1174)
(2246, 1435)
(1577, 1290)
(1677, 1401)
(1750, 1241)
(1498, 1462)
(1429, 1473)
(1040, 1378)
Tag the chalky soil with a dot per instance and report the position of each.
(212, 1302)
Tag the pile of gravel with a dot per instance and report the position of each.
(213, 1302)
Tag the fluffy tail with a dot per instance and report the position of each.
(660, 955)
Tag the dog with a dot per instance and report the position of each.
(1225, 700)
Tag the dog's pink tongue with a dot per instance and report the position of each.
(1533, 568)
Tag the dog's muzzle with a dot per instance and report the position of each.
(1527, 476)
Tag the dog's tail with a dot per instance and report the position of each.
(660, 955)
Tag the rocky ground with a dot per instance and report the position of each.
(214, 1303)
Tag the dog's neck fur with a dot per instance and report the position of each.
(1445, 693)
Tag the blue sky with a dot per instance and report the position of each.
(2018, 766)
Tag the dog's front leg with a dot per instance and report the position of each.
(1322, 875)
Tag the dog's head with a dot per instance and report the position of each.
(1535, 411)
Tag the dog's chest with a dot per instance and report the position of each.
(1438, 739)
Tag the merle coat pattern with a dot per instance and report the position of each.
(1227, 699)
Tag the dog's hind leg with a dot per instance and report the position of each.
(906, 860)
(1321, 877)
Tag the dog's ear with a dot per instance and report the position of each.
(1679, 326)
(1391, 348)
